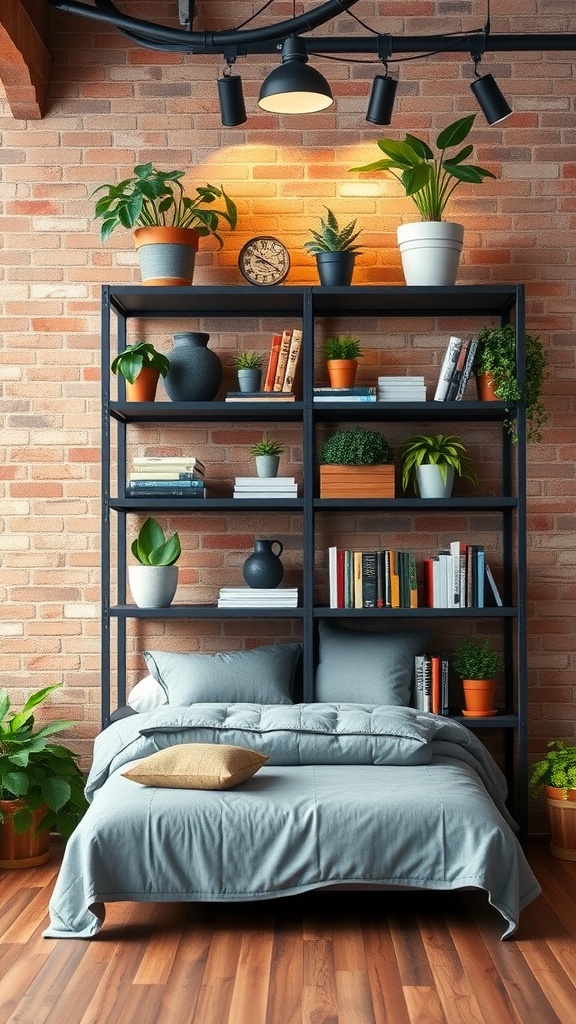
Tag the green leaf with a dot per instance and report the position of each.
(16, 783)
(168, 553)
(56, 793)
(420, 147)
(417, 178)
(455, 133)
(33, 701)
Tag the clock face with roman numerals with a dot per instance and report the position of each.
(264, 260)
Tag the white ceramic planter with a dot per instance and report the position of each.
(431, 484)
(153, 586)
(430, 251)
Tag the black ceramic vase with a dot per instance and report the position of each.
(195, 371)
(263, 567)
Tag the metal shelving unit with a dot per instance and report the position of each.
(123, 304)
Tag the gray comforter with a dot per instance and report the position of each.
(351, 794)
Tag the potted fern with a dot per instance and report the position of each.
(430, 250)
(356, 463)
(429, 462)
(141, 365)
(335, 249)
(478, 664)
(555, 773)
(41, 785)
(167, 223)
(497, 377)
(341, 352)
(154, 580)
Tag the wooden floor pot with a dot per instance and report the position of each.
(562, 818)
(22, 851)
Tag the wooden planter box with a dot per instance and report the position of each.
(357, 481)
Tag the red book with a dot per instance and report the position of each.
(428, 567)
(272, 363)
(436, 689)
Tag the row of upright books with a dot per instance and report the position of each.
(166, 476)
(431, 673)
(265, 487)
(456, 369)
(456, 577)
(281, 371)
(372, 579)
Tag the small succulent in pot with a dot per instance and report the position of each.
(356, 446)
(142, 355)
(267, 454)
(332, 238)
(266, 447)
(248, 361)
(342, 346)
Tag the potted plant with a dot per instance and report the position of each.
(249, 369)
(496, 375)
(141, 366)
(429, 462)
(154, 580)
(430, 250)
(267, 454)
(341, 352)
(556, 774)
(478, 664)
(356, 463)
(335, 249)
(154, 205)
(41, 785)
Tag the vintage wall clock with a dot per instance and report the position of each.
(264, 260)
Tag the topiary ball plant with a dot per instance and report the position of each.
(356, 446)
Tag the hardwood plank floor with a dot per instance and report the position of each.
(355, 958)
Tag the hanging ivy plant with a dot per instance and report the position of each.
(496, 355)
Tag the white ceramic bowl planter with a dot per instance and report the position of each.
(153, 586)
(430, 251)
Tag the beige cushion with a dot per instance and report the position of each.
(197, 766)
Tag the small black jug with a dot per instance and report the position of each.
(263, 567)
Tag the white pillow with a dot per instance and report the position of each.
(147, 695)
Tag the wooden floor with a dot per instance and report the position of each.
(358, 958)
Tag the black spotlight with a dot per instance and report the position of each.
(490, 100)
(232, 107)
(294, 87)
(382, 98)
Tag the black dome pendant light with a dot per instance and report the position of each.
(294, 87)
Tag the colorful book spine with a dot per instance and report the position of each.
(272, 362)
(447, 368)
(457, 372)
(369, 579)
(282, 360)
(292, 361)
(467, 371)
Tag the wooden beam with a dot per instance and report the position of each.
(24, 58)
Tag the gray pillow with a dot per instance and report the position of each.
(264, 675)
(366, 667)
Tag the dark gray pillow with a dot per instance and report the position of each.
(264, 675)
(367, 667)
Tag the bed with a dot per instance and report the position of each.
(334, 793)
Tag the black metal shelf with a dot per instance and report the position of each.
(470, 504)
(462, 412)
(187, 412)
(176, 504)
(493, 612)
(202, 611)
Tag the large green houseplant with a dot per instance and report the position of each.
(555, 773)
(154, 205)
(41, 785)
(335, 249)
(430, 179)
(496, 358)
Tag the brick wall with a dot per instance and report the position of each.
(110, 105)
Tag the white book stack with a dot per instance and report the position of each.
(258, 597)
(265, 487)
(401, 389)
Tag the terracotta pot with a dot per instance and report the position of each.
(144, 387)
(479, 697)
(562, 818)
(167, 255)
(22, 851)
(342, 372)
(485, 387)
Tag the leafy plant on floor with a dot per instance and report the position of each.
(557, 768)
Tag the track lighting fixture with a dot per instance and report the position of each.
(488, 96)
(382, 99)
(231, 97)
(294, 87)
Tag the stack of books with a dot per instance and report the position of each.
(361, 393)
(372, 579)
(431, 673)
(265, 487)
(455, 578)
(401, 389)
(166, 476)
(456, 369)
(258, 597)
(280, 377)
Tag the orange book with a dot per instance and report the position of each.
(272, 363)
(282, 360)
(436, 704)
(292, 361)
(394, 581)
